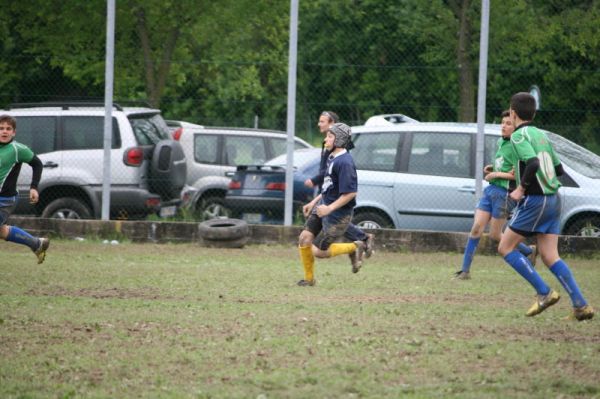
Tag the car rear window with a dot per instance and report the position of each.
(149, 128)
(576, 157)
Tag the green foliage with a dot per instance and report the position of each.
(225, 62)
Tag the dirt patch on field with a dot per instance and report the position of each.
(101, 293)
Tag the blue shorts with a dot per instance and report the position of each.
(495, 200)
(7, 206)
(537, 214)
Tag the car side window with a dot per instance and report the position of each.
(491, 146)
(376, 151)
(37, 132)
(206, 148)
(441, 154)
(279, 146)
(87, 133)
(239, 150)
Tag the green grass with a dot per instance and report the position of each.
(173, 321)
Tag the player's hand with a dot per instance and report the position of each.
(323, 210)
(488, 169)
(307, 209)
(34, 196)
(518, 193)
(308, 183)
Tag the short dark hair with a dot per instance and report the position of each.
(505, 113)
(333, 117)
(9, 119)
(524, 105)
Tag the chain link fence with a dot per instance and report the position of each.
(205, 65)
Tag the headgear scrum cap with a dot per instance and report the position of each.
(342, 133)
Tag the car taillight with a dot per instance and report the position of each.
(275, 186)
(152, 203)
(177, 134)
(235, 185)
(133, 156)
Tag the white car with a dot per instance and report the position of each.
(148, 169)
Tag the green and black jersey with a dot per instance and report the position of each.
(530, 142)
(12, 156)
(504, 161)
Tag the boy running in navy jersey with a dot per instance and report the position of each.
(12, 155)
(538, 211)
(495, 205)
(331, 215)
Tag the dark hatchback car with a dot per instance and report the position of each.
(256, 192)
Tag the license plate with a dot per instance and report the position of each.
(252, 217)
(168, 211)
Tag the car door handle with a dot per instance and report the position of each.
(467, 189)
(50, 165)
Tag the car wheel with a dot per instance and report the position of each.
(67, 208)
(213, 207)
(586, 226)
(372, 220)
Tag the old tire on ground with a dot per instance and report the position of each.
(223, 230)
(237, 243)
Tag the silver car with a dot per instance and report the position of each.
(420, 176)
(214, 152)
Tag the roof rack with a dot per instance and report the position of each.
(62, 104)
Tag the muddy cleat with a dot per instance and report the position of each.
(543, 302)
(369, 245)
(41, 251)
(533, 255)
(460, 275)
(583, 313)
(357, 256)
(306, 283)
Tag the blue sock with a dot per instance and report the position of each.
(524, 249)
(20, 236)
(562, 272)
(469, 252)
(524, 268)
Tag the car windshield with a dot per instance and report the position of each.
(576, 157)
(149, 128)
(302, 158)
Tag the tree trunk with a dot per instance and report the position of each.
(155, 77)
(466, 111)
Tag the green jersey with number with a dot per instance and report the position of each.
(504, 161)
(529, 142)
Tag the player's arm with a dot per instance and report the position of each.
(307, 209)
(37, 167)
(500, 175)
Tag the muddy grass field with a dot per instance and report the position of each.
(180, 321)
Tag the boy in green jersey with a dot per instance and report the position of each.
(495, 205)
(538, 211)
(12, 155)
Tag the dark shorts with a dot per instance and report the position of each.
(496, 201)
(334, 228)
(7, 206)
(537, 214)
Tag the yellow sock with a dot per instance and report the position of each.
(308, 262)
(340, 248)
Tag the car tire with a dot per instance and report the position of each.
(372, 220)
(585, 226)
(213, 207)
(223, 229)
(67, 208)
